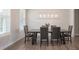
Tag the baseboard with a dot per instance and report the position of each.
(13, 42)
(76, 35)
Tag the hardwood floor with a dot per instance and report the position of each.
(28, 46)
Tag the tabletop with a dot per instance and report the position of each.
(38, 31)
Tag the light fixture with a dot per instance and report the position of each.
(52, 15)
(40, 15)
(56, 15)
(44, 15)
(49, 15)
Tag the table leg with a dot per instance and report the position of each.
(63, 39)
(34, 38)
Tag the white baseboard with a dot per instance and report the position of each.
(76, 34)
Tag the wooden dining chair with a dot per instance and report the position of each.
(69, 33)
(34, 38)
(27, 34)
(55, 34)
(43, 35)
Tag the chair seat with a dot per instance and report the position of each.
(67, 35)
(29, 35)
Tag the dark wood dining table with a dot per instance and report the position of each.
(38, 31)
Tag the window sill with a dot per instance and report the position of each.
(4, 34)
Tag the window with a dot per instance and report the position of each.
(4, 21)
(22, 19)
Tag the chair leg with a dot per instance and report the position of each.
(40, 42)
(61, 40)
(52, 42)
(25, 40)
(68, 38)
(47, 42)
(57, 41)
(33, 42)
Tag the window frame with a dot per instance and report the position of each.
(6, 20)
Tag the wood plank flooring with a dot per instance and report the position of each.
(28, 46)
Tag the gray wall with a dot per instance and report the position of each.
(76, 11)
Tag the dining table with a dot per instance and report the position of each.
(49, 31)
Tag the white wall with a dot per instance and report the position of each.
(64, 19)
(34, 21)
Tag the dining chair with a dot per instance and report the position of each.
(43, 35)
(27, 34)
(69, 33)
(34, 39)
(55, 34)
